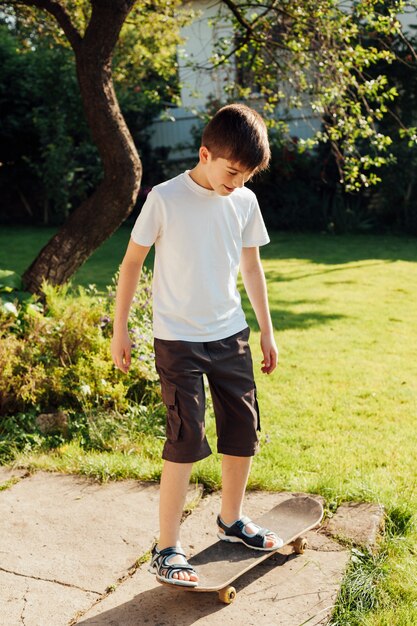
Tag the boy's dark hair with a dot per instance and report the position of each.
(239, 134)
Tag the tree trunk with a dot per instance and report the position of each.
(101, 214)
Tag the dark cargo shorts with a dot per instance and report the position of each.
(227, 363)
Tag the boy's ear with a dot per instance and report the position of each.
(204, 154)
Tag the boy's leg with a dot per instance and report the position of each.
(235, 473)
(175, 479)
(180, 366)
(236, 408)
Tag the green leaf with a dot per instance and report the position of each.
(9, 280)
(9, 308)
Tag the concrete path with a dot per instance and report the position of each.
(73, 551)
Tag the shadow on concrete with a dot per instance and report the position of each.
(166, 606)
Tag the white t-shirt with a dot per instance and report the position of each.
(198, 237)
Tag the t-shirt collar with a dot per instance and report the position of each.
(196, 187)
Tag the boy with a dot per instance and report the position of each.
(204, 224)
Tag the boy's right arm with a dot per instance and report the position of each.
(129, 276)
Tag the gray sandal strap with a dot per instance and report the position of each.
(160, 562)
(237, 529)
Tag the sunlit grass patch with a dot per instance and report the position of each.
(139, 461)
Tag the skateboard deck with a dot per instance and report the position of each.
(222, 562)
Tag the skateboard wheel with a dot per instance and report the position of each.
(227, 595)
(300, 545)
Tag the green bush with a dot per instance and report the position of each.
(289, 192)
(300, 191)
(55, 359)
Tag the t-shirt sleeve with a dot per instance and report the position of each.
(148, 225)
(254, 232)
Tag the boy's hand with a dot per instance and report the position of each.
(121, 347)
(270, 352)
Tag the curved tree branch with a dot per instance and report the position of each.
(60, 14)
(103, 30)
(238, 15)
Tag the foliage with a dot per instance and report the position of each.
(54, 357)
(289, 192)
(50, 163)
(145, 59)
(316, 56)
(301, 191)
(393, 201)
(11, 293)
(369, 582)
(360, 590)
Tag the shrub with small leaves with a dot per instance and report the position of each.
(55, 356)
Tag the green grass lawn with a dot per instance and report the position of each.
(339, 415)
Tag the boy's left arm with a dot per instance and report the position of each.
(255, 284)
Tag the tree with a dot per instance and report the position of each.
(92, 30)
(319, 54)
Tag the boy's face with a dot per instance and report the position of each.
(221, 175)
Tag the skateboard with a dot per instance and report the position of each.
(219, 565)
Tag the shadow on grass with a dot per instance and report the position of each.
(340, 249)
(283, 318)
(274, 276)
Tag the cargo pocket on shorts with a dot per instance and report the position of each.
(173, 425)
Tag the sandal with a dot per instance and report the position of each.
(236, 533)
(164, 570)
